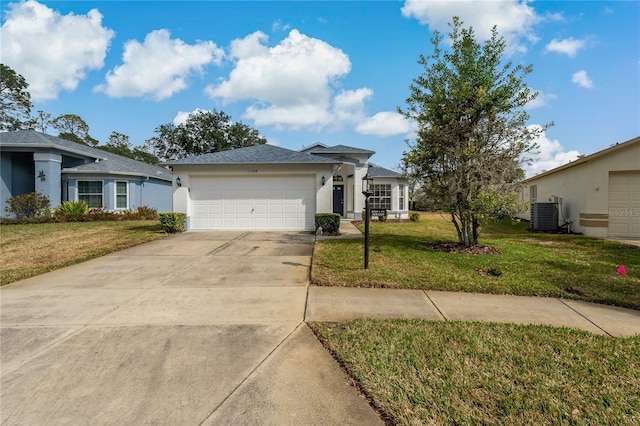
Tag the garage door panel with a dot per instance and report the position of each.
(199, 223)
(279, 203)
(261, 208)
(624, 204)
(199, 209)
(214, 209)
(276, 209)
(293, 209)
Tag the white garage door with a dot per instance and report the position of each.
(253, 203)
(624, 204)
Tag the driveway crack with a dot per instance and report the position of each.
(252, 372)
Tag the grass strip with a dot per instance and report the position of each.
(33, 249)
(425, 372)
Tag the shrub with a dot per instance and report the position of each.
(72, 211)
(30, 205)
(414, 216)
(173, 222)
(147, 213)
(140, 213)
(330, 222)
(384, 217)
(102, 215)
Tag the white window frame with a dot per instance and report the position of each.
(401, 198)
(101, 193)
(375, 200)
(115, 194)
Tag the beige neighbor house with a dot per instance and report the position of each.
(597, 195)
(267, 187)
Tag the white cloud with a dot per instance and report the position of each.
(551, 155)
(514, 18)
(568, 46)
(290, 84)
(293, 85)
(181, 116)
(581, 79)
(542, 100)
(386, 123)
(53, 52)
(158, 67)
(279, 26)
(348, 105)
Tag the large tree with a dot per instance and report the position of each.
(119, 143)
(15, 101)
(472, 136)
(203, 132)
(73, 128)
(42, 121)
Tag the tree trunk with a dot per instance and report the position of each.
(467, 230)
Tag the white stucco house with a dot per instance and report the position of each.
(267, 187)
(597, 195)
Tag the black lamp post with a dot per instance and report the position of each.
(367, 191)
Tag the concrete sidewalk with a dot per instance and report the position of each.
(340, 304)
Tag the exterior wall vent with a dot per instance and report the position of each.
(544, 216)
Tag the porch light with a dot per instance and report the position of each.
(178, 181)
(42, 176)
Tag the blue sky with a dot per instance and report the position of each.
(331, 72)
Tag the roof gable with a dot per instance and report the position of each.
(258, 154)
(312, 147)
(116, 163)
(376, 171)
(587, 158)
(339, 149)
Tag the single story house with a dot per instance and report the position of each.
(597, 195)
(267, 187)
(64, 170)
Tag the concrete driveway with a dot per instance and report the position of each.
(198, 328)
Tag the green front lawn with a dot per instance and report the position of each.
(419, 372)
(28, 250)
(537, 264)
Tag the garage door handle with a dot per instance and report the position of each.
(252, 210)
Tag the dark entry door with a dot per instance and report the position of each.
(338, 199)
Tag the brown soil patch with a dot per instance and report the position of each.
(451, 247)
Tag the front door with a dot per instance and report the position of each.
(338, 199)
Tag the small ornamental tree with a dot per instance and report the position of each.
(472, 136)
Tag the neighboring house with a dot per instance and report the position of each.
(597, 195)
(64, 170)
(266, 187)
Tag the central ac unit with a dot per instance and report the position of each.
(544, 216)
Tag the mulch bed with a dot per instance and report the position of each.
(451, 247)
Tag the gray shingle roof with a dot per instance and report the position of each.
(108, 162)
(340, 149)
(376, 171)
(259, 154)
